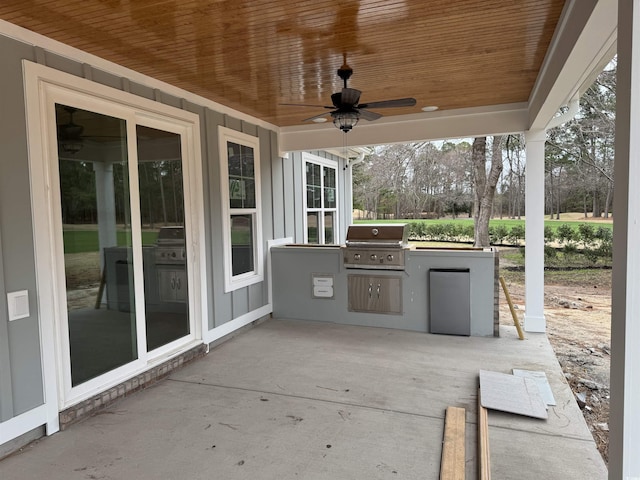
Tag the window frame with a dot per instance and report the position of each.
(324, 163)
(234, 282)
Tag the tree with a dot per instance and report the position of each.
(484, 185)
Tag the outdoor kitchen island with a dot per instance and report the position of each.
(451, 290)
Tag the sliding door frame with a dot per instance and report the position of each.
(43, 88)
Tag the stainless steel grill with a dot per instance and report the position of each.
(378, 247)
(170, 246)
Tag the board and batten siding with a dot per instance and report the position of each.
(21, 377)
(21, 385)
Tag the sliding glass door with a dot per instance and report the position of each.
(122, 217)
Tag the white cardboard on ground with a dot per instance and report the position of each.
(542, 382)
(509, 393)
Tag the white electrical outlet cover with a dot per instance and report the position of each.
(18, 304)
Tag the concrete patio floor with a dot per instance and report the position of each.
(292, 399)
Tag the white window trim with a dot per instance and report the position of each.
(232, 282)
(325, 163)
(43, 86)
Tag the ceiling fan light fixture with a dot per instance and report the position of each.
(345, 121)
(71, 146)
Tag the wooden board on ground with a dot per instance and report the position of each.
(452, 464)
(542, 382)
(509, 393)
(484, 456)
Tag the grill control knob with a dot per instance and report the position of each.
(356, 256)
(373, 256)
(390, 257)
(173, 254)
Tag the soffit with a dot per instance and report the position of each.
(252, 56)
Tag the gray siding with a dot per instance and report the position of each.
(21, 389)
(20, 363)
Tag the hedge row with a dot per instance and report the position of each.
(585, 236)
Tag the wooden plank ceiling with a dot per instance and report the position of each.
(254, 55)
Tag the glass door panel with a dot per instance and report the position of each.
(164, 255)
(98, 258)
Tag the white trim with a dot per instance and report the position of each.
(23, 423)
(236, 323)
(232, 282)
(324, 163)
(564, 73)
(43, 87)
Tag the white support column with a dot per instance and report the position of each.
(534, 320)
(106, 203)
(624, 435)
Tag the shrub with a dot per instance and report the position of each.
(549, 234)
(591, 254)
(417, 230)
(435, 232)
(468, 232)
(498, 234)
(604, 234)
(569, 250)
(516, 234)
(586, 234)
(550, 253)
(565, 234)
(605, 250)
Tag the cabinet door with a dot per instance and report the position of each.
(388, 294)
(375, 294)
(166, 285)
(180, 292)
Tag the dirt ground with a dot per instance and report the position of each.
(578, 314)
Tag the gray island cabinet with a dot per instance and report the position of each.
(451, 291)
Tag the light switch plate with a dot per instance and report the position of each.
(18, 304)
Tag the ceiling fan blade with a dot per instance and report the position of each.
(304, 105)
(349, 97)
(398, 102)
(316, 116)
(367, 115)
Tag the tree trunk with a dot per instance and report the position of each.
(485, 187)
(551, 194)
(607, 202)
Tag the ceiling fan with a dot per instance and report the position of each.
(346, 109)
(70, 133)
(71, 136)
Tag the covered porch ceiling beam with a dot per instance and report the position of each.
(583, 44)
(468, 122)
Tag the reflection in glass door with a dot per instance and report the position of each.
(95, 206)
(163, 235)
(97, 198)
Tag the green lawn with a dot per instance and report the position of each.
(80, 241)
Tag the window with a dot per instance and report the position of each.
(321, 202)
(239, 154)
